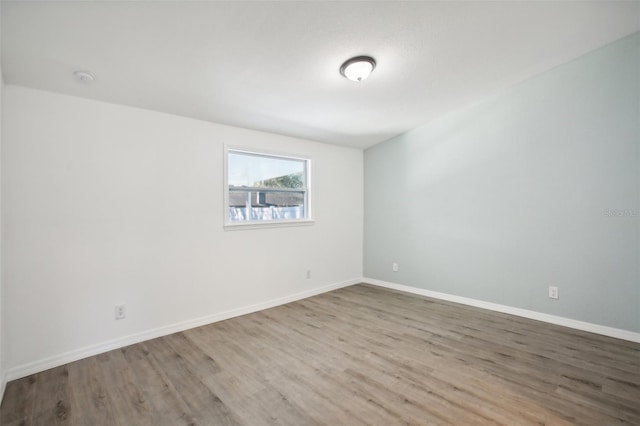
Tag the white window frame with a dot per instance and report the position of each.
(307, 220)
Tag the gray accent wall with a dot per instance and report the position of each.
(537, 186)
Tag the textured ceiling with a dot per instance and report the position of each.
(274, 66)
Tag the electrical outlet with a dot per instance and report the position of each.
(121, 312)
(308, 274)
(553, 292)
(394, 267)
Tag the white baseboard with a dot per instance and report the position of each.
(74, 355)
(87, 351)
(553, 319)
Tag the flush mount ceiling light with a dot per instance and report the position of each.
(358, 68)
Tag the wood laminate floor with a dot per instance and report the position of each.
(354, 356)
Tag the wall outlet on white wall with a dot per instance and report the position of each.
(553, 292)
(394, 267)
(121, 312)
(308, 274)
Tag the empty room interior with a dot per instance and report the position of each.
(320, 212)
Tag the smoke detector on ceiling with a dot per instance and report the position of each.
(84, 76)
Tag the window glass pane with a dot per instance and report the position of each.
(265, 172)
(266, 188)
(271, 205)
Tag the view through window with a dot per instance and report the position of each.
(266, 188)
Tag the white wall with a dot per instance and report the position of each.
(2, 323)
(2, 369)
(107, 204)
(535, 187)
(2, 375)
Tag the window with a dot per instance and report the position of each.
(263, 188)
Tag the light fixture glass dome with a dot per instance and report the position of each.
(358, 68)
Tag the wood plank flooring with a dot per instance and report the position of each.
(361, 355)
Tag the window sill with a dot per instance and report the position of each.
(272, 224)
